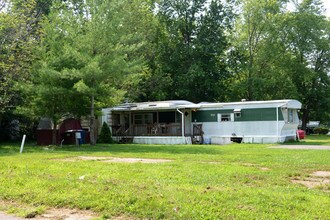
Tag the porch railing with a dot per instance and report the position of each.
(198, 130)
(171, 129)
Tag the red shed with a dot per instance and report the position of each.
(65, 133)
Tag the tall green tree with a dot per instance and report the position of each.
(92, 47)
(256, 38)
(190, 45)
(19, 34)
(285, 54)
(308, 41)
(50, 89)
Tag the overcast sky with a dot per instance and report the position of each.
(327, 6)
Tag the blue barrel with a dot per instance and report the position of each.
(82, 139)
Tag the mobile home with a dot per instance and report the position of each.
(183, 122)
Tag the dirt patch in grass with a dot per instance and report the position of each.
(325, 174)
(256, 166)
(116, 159)
(24, 211)
(136, 160)
(12, 209)
(318, 179)
(212, 162)
(66, 214)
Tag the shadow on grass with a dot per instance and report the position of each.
(137, 148)
(14, 148)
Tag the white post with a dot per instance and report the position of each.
(182, 116)
(22, 145)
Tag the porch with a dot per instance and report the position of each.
(157, 134)
(154, 124)
(156, 129)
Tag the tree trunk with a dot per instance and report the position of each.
(54, 133)
(251, 32)
(92, 123)
(305, 118)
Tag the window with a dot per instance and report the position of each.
(290, 115)
(237, 113)
(285, 114)
(225, 117)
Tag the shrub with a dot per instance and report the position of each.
(321, 130)
(105, 135)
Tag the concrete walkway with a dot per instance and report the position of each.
(302, 147)
(4, 216)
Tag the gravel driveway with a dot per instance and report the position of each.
(302, 147)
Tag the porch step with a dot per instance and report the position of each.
(197, 139)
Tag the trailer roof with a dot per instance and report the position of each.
(183, 104)
(143, 106)
(289, 103)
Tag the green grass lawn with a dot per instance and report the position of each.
(238, 181)
(316, 140)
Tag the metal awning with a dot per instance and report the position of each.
(157, 105)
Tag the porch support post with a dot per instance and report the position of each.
(182, 122)
(157, 118)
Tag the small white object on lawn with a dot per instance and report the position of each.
(22, 144)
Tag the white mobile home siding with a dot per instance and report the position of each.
(259, 122)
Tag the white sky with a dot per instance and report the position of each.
(327, 6)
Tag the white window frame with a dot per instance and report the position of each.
(226, 117)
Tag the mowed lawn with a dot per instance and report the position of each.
(237, 181)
